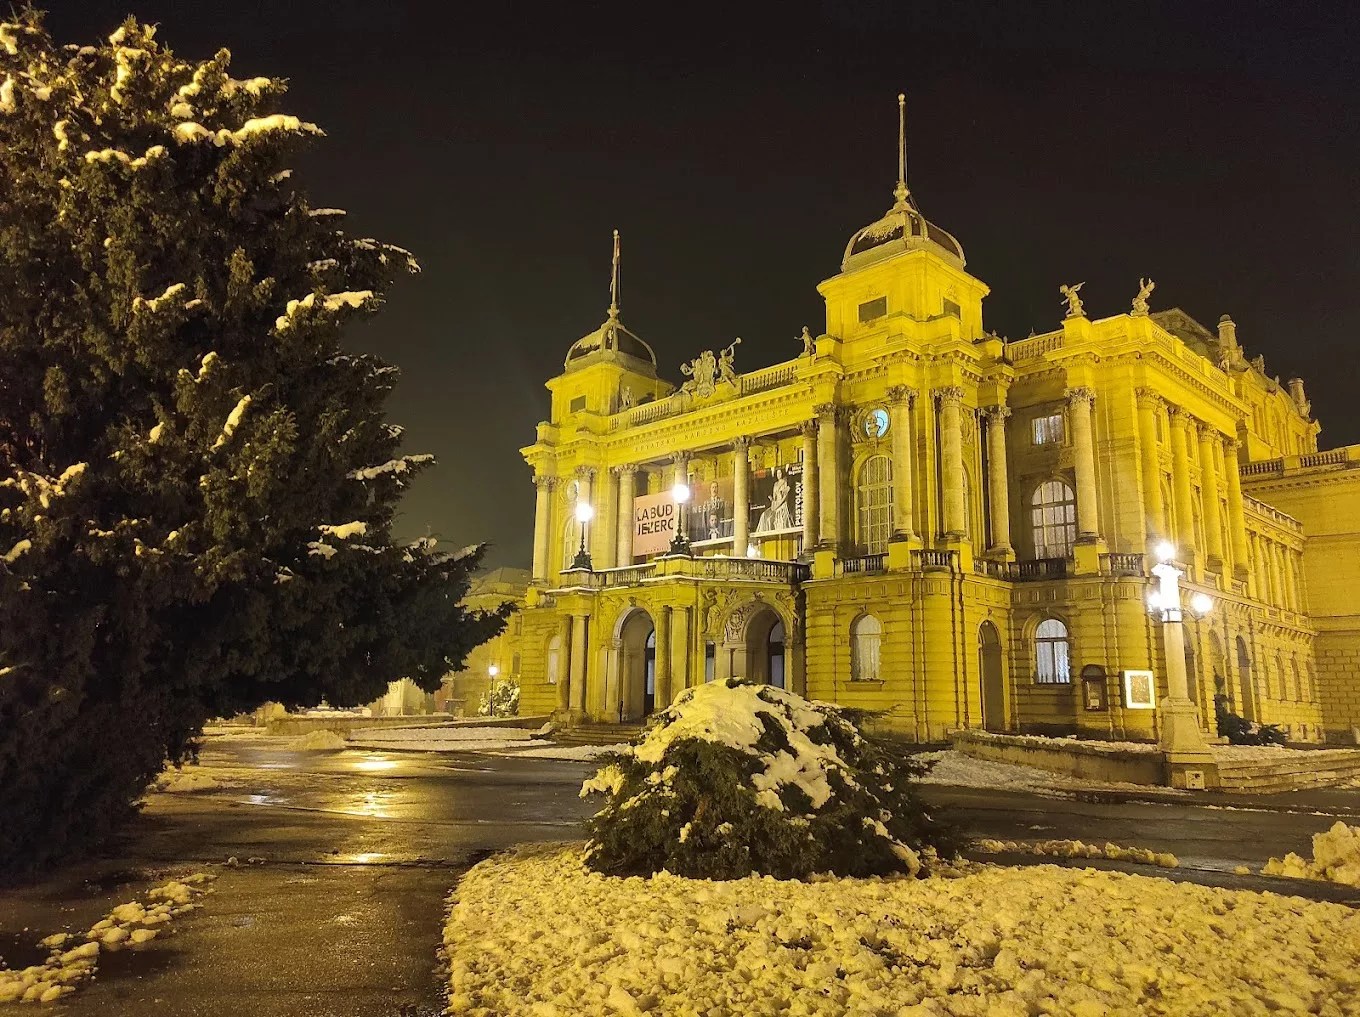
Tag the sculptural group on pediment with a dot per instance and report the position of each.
(706, 371)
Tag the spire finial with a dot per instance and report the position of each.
(614, 282)
(900, 192)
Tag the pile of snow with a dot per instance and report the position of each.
(442, 739)
(537, 933)
(1077, 849)
(188, 779)
(1336, 858)
(734, 778)
(1096, 745)
(319, 741)
(133, 925)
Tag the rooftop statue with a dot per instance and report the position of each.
(702, 373)
(1074, 304)
(1140, 302)
(726, 361)
(808, 348)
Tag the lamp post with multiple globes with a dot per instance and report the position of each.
(1188, 757)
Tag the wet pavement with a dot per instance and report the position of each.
(335, 905)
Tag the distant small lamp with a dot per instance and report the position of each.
(680, 542)
(1201, 604)
(752, 551)
(584, 514)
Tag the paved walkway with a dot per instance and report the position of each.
(343, 916)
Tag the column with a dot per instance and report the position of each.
(627, 489)
(607, 547)
(1180, 484)
(1080, 401)
(584, 476)
(1208, 486)
(810, 534)
(1149, 406)
(562, 676)
(998, 490)
(662, 620)
(1291, 588)
(680, 658)
(576, 696)
(741, 499)
(680, 475)
(900, 399)
(1237, 520)
(828, 460)
(542, 521)
(951, 457)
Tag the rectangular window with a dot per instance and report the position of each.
(953, 309)
(1048, 430)
(871, 309)
(578, 404)
(710, 661)
(514, 665)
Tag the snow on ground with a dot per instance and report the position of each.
(535, 933)
(441, 739)
(1336, 858)
(564, 751)
(1076, 849)
(131, 925)
(319, 741)
(1049, 742)
(189, 779)
(957, 770)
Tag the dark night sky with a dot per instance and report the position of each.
(1214, 147)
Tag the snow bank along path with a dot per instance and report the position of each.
(535, 933)
(131, 925)
(1336, 858)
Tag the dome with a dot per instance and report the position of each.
(609, 342)
(903, 229)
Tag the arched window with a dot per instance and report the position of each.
(1197, 521)
(967, 505)
(1284, 680)
(1054, 517)
(1051, 657)
(1298, 679)
(554, 659)
(775, 648)
(866, 640)
(873, 496)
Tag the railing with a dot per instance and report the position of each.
(990, 567)
(629, 575)
(744, 568)
(1031, 349)
(770, 377)
(928, 560)
(1262, 509)
(864, 565)
(1038, 569)
(649, 412)
(1261, 467)
(1332, 457)
(1120, 563)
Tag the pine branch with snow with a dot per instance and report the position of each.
(197, 484)
(735, 778)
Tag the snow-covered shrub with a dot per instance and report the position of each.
(735, 778)
(501, 700)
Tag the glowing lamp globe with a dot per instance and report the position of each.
(585, 512)
(493, 670)
(680, 492)
(1201, 603)
(1166, 551)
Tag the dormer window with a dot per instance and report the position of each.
(578, 404)
(873, 309)
(952, 309)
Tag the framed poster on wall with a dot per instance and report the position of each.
(1140, 691)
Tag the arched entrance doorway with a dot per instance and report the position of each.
(993, 681)
(1219, 667)
(1244, 679)
(766, 659)
(637, 668)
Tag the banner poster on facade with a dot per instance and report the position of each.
(775, 506)
(654, 518)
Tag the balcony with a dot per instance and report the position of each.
(928, 560)
(1121, 564)
(720, 569)
(1038, 570)
(864, 565)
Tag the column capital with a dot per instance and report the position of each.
(899, 394)
(1180, 417)
(1081, 394)
(680, 458)
(950, 395)
(1231, 443)
(619, 471)
(544, 482)
(586, 473)
(1149, 397)
(824, 410)
(741, 443)
(996, 414)
(808, 428)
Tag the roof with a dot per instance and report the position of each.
(902, 229)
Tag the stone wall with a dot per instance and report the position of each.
(1105, 761)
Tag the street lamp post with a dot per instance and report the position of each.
(584, 513)
(680, 542)
(1188, 757)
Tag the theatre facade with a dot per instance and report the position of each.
(915, 516)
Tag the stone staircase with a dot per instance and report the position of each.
(1290, 771)
(597, 734)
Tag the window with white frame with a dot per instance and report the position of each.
(1053, 516)
(1051, 658)
(873, 496)
(1048, 430)
(866, 641)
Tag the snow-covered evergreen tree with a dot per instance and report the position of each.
(197, 486)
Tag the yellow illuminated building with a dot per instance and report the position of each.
(918, 517)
